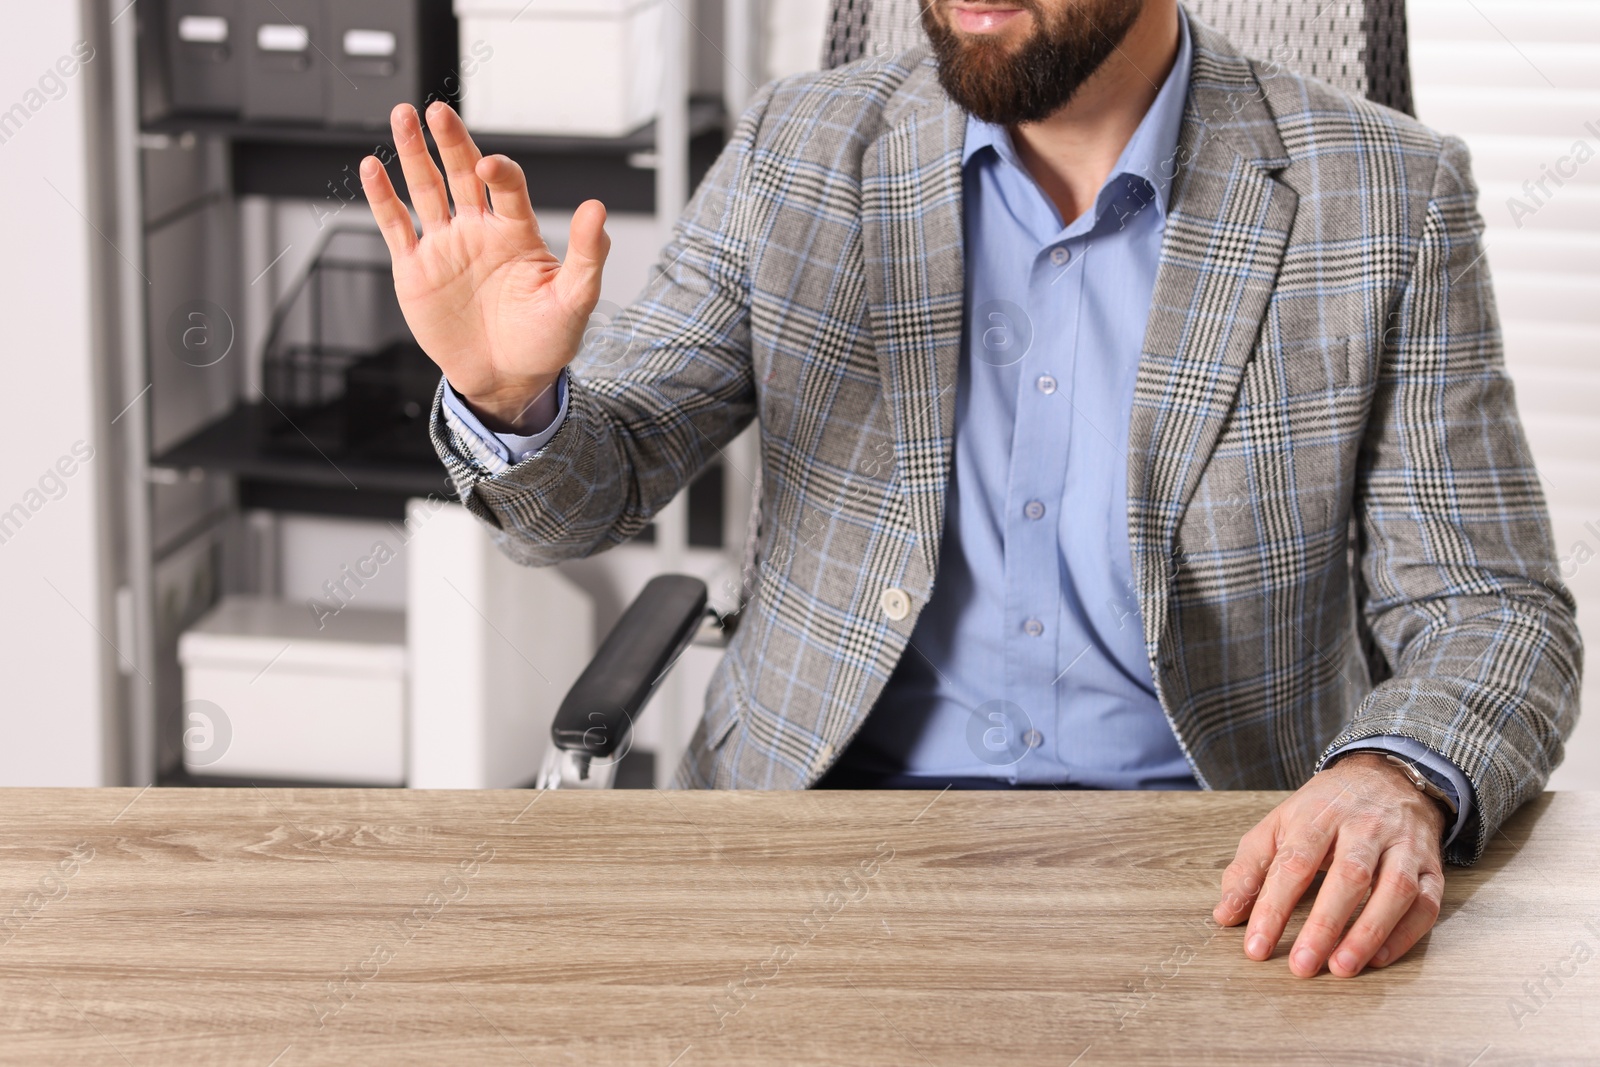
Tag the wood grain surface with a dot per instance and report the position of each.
(287, 927)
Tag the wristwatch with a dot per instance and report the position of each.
(1423, 783)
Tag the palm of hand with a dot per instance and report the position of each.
(486, 309)
(482, 292)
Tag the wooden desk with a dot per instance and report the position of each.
(297, 927)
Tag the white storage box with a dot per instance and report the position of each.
(270, 694)
(494, 648)
(576, 67)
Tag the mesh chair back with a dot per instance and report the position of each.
(881, 27)
(847, 32)
(1356, 45)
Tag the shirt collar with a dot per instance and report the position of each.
(1150, 154)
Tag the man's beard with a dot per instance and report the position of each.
(1007, 86)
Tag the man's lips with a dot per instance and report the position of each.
(983, 19)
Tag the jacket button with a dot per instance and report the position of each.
(896, 603)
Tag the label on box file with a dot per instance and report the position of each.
(369, 43)
(283, 37)
(203, 29)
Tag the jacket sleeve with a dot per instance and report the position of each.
(1461, 593)
(652, 398)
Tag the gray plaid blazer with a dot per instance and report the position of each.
(1337, 528)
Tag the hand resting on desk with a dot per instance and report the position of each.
(1363, 822)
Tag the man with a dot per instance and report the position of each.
(1132, 416)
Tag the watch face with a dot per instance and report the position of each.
(1423, 783)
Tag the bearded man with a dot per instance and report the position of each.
(1132, 416)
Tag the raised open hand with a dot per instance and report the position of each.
(482, 292)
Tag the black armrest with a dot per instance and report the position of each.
(600, 707)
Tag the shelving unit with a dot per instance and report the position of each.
(194, 445)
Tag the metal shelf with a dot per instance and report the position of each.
(319, 162)
(240, 444)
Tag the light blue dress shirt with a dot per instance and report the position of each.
(1028, 663)
(512, 448)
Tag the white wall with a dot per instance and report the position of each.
(1519, 80)
(51, 657)
(795, 33)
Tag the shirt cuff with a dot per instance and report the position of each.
(1445, 775)
(510, 448)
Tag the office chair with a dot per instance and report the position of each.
(1356, 45)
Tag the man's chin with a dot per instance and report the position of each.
(985, 51)
(989, 48)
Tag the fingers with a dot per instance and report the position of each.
(1293, 867)
(1243, 879)
(1418, 920)
(1350, 875)
(394, 221)
(1392, 897)
(587, 248)
(460, 156)
(508, 187)
(1382, 840)
(422, 177)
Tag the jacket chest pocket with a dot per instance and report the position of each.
(1316, 366)
(1281, 477)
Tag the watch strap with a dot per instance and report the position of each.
(1424, 784)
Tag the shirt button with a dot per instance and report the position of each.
(1046, 384)
(1033, 739)
(1033, 627)
(1034, 510)
(896, 603)
(1059, 256)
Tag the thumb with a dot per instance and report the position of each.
(587, 248)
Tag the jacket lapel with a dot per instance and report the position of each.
(1227, 230)
(912, 243)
